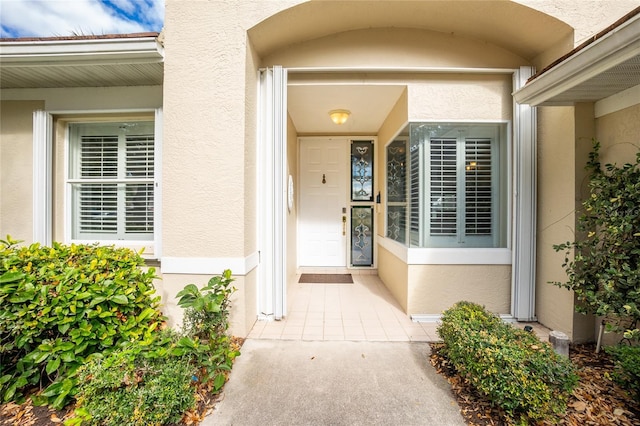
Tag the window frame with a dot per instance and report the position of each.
(499, 132)
(151, 248)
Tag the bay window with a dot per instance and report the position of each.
(446, 186)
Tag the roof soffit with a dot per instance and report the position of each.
(81, 62)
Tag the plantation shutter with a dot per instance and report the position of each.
(139, 194)
(112, 180)
(98, 202)
(443, 165)
(478, 187)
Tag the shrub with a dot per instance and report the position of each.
(512, 367)
(602, 264)
(61, 305)
(206, 321)
(151, 381)
(627, 367)
(141, 384)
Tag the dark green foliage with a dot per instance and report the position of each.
(141, 384)
(151, 381)
(512, 367)
(61, 305)
(603, 266)
(627, 367)
(206, 320)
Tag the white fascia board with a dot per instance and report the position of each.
(69, 52)
(613, 49)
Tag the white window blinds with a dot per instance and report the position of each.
(112, 181)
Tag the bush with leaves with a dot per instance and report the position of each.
(206, 321)
(144, 383)
(512, 367)
(151, 381)
(603, 266)
(62, 305)
(627, 367)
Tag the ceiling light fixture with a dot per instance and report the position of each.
(339, 116)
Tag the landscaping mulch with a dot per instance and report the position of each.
(26, 414)
(597, 400)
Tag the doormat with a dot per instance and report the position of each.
(326, 279)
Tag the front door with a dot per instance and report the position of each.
(322, 220)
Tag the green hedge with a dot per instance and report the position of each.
(627, 367)
(61, 304)
(512, 367)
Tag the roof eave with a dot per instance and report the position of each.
(616, 47)
(18, 53)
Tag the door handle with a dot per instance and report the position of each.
(344, 225)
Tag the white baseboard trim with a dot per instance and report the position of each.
(209, 265)
(428, 318)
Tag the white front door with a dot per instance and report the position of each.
(322, 220)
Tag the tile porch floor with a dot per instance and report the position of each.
(362, 311)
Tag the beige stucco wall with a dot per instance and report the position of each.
(619, 135)
(402, 47)
(394, 273)
(556, 214)
(435, 288)
(16, 176)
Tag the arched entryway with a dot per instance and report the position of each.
(440, 48)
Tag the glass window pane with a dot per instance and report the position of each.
(361, 171)
(362, 235)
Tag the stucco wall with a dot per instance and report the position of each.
(435, 288)
(461, 97)
(16, 176)
(556, 214)
(619, 135)
(402, 47)
(394, 274)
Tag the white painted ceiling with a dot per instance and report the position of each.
(309, 107)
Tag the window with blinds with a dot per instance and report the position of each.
(112, 181)
(443, 174)
(454, 197)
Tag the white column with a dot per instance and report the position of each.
(42, 177)
(272, 146)
(524, 203)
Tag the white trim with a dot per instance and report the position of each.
(437, 70)
(426, 318)
(42, 177)
(614, 48)
(157, 193)
(209, 265)
(523, 276)
(617, 102)
(81, 51)
(447, 256)
(272, 191)
(435, 318)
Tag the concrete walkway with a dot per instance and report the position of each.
(295, 382)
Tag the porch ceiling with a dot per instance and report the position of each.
(85, 61)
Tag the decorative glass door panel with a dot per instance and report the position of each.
(362, 199)
(362, 235)
(362, 171)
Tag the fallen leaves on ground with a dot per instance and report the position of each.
(597, 400)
